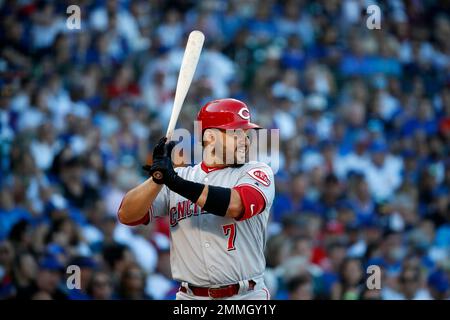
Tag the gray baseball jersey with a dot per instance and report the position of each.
(211, 250)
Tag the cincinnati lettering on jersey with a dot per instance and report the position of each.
(184, 209)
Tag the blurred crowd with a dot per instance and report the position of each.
(364, 119)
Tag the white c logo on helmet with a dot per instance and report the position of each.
(244, 113)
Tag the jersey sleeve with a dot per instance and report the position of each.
(160, 206)
(260, 178)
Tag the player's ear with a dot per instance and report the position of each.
(209, 137)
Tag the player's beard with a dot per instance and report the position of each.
(236, 158)
(239, 158)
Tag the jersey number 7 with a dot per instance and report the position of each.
(229, 230)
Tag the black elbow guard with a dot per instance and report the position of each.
(218, 200)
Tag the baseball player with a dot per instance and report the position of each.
(218, 211)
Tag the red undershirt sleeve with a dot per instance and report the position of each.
(252, 200)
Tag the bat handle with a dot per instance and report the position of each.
(169, 134)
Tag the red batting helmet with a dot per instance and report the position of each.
(226, 114)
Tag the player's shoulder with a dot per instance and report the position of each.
(257, 165)
(185, 171)
(259, 171)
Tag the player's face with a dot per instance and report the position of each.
(230, 146)
(235, 146)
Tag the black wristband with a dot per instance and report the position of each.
(218, 200)
(188, 189)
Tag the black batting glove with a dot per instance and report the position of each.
(160, 149)
(162, 162)
(164, 167)
(159, 152)
(163, 172)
